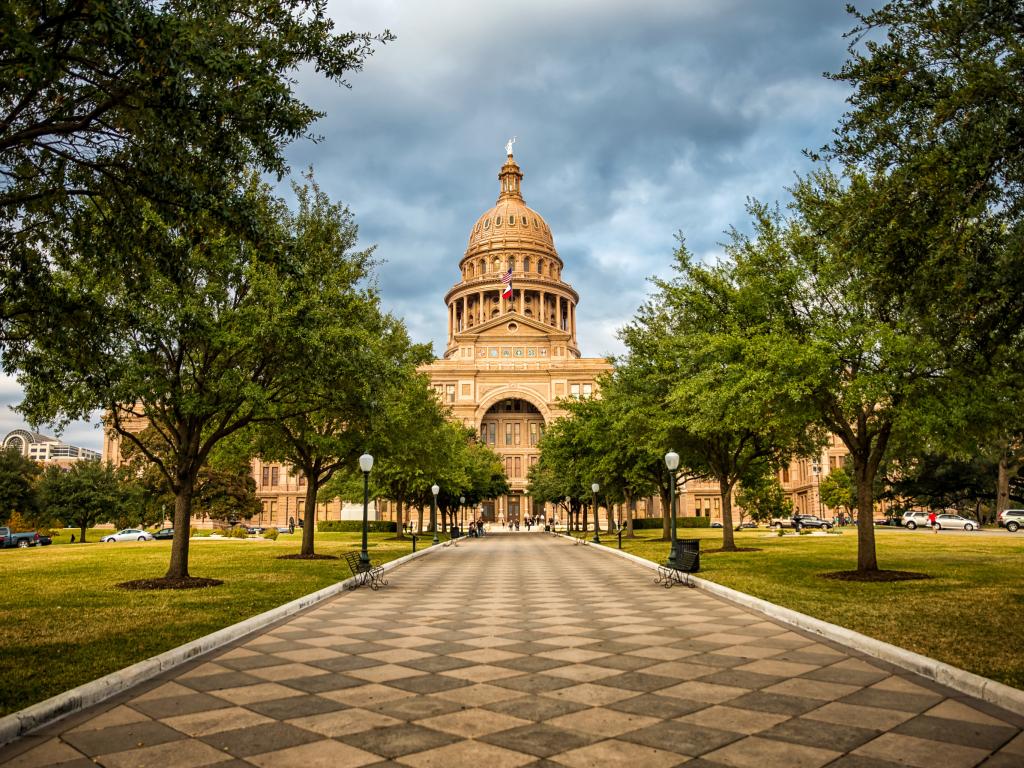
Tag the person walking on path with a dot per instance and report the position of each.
(933, 521)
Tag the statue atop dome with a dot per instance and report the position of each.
(508, 146)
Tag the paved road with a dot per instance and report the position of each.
(525, 650)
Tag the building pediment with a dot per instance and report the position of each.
(512, 326)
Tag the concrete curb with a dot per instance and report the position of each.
(44, 713)
(1005, 696)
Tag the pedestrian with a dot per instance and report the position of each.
(933, 521)
(72, 538)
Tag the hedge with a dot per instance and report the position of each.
(355, 526)
(681, 522)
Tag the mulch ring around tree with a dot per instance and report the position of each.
(875, 576)
(314, 556)
(193, 582)
(737, 549)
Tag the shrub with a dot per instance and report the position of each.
(681, 522)
(270, 533)
(238, 532)
(355, 526)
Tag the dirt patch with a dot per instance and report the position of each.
(737, 549)
(189, 583)
(314, 556)
(875, 576)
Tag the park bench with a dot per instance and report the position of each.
(680, 573)
(371, 573)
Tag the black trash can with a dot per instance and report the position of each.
(688, 558)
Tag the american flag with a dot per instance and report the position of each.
(506, 279)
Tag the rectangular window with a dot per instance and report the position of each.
(302, 481)
(574, 391)
(533, 433)
(517, 436)
(275, 475)
(494, 433)
(519, 467)
(508, 466)
(785, 474)
(451, 393)
(266, 475)
(587, 390)
(508, 434)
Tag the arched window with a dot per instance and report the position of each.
(526, 264)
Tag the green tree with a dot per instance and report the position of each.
(726, 415)
(837, 492)
(762, 497)
(88, 493)
(198, 339)
(18, 476)
(134, 101)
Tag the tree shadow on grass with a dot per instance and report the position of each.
(193, 582)
(314, 556)
(874, 576)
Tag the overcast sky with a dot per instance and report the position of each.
(636, 119)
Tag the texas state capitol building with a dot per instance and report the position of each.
(509, 360)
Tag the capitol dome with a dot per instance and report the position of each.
(510, 226)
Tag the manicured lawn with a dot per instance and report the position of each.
(970, 614)
(64, 622)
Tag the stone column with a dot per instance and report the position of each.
(480, 307)
(543, 317)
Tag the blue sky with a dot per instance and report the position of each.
(636, 119)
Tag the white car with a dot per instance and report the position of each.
(129, 534)
(954, 521)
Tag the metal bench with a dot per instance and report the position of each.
(680, 573)
(371, 573)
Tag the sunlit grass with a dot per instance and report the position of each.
(64, 622)
(969, 614)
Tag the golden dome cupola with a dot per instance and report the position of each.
(511, 236)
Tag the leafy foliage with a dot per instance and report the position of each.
(17, 485)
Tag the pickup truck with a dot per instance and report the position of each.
(805, 521)
(8, 539)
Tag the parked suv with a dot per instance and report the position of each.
(1011, 519)
(913, 519)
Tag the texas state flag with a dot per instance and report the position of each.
(506, 278)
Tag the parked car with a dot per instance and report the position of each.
(912, 519)
(43, 540)
(1011, 519)
(21, 540)
(164, 533)
(716, 524)
(955, 522)
(254, 529)
(804, 521)
(885, 521)
(747, 524)
(129, 534)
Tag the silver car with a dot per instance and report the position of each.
(129, 534)
(954, 522)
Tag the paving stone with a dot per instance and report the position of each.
(121, 737)
(398, 740)
(257, 739)
(682, 738)
(814, 733)
(299, 706)
(539, 739)
(957, 732)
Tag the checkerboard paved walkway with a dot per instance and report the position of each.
(526, 650)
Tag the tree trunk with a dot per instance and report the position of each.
(1003, 484)
(419, 528)
(866, 557)
(611, 517)
(81, 539)
(309, 511)
(630, 513)
(398, 518)
(178, 568)
(584, 510)
(728, 539)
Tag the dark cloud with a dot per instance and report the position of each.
(636, 119)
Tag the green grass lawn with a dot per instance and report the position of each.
(970, 614)
(64, 622)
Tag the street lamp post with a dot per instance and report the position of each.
(462, 507)
(672, 462)
(434, 489)
(594, 488)
(365, 464)
(568, 515)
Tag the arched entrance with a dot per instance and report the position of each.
(512, 427)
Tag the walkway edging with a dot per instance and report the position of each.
(992, 691)
(45, 712)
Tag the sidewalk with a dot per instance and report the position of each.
(516, 650)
